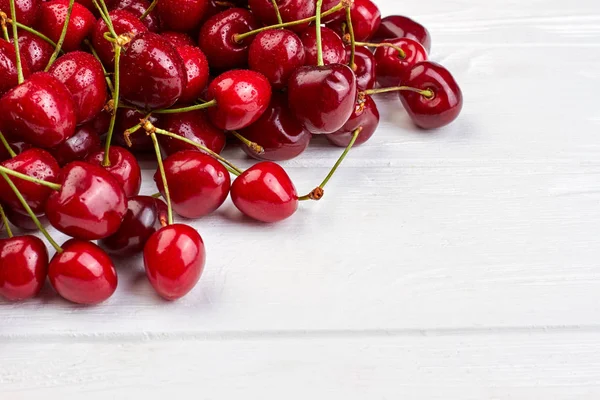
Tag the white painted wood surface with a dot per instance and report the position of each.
(457, 264)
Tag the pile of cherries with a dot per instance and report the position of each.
(181, 79)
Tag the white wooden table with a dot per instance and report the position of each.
(457, 264)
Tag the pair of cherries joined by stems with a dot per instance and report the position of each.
(141, 72)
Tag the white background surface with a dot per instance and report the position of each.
(457, 264)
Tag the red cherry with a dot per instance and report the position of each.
(138, 8)
(193, 125)
(82, 74)
(90, 205)
(174, 258)
(366, 19)
(334, 51)
(123, 167)
(265, 193)
(35, 51)
(290, 10)
(196, 69)
(101, 123)
(276, 54)
(52, 18)
(181, 15)
(391, 67)
(8, 67)
(145, 215)
(216, 38)
(152, 72)
(278, 132)
(83, 273)
(23, 267)
(396, 26)
(365, 116)
(447, 101)
(23, 221)
(127, 118)
(89, 4)
(178, 39)
(123, 22)
(365, 68)
(322, 98)
(78, 147)
(211, 183)
(27, 11)
(242, 97)
(38, 164)
(39, 111)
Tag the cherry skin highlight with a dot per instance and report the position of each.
(23, 267)
(123, 167)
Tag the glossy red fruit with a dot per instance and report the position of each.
(276, 54)
(8, 67)
(152, 72)
(82, 74)
(322, 98)
(265, 193)
(447, 101)
(78, 147)
(27, 11)
(101, 123)
(127, 118)
(123, 167)
(138, 8)
(181, 15)
(193, 125)
(36, 163)
(90, 205)
(52, 18)
(196, 69)
(178, 38)
(242, 97)
(290, 10)
(278, 131)
(210, 186)
(365, 116)
(397, 26)
(366, 19)
(83, 273)
(174, 259)
(145, 215)
(334, 51)
(123, 22)
(391, 67)
(217, 42)
(23, 267)
(364, 70)
(23, 221)
(35, 51)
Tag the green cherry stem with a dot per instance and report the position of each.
(9, 149)
(101, 7)
(115, 101)
(32, 215)
(255, 147)
(163, 176)
(318, 192)
(277, 13)
(34, 32)
(8, 171)
(320, 62)
(149, 9)
(425, 93)
(3, 19)
(20, 77)
(401, 52)
(63, 34)
(352, 39)
(202, 106)
(5, 220)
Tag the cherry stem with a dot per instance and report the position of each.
(115, 99)
(401, 52)
(5, 220)
(9, 149)
(352, 39)
(425, 93)
(277, 13)
(163, 176)
(130, 131)
(13, 13)
(34, 32)
(320, 62)
(202, 106)
(8, 171)
(241, 36)
(255, 147)
(149, 9)
(103, 11)
(318, 192)
(156, 195)
(63, 34)
(3, 19)
(97, 57)
(32, 215)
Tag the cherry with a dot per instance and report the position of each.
(278, 132)
(145, 215)
(78, 147)
(8, 67)
(445, 104)
(193, 125)
(127, 118)
(153, 75)
(138, 8)
(22, 221)
(90, 204)
(52, 18)
(89, 4)
(27, 10)
(181, 15)
(82, 273)
(101, 123)
(35, 51)
(178, 39)
(364, 70)
(123, 22)
(365, 116)
(38, 164)
(39, 111)
(211, 183)
(265, 193)
(123, 167)
(216, 38)
(242, 96)
(174, 258)
(23, 267)
(290, 10)
(322, 97)
(334, 51)
(393, 67)
(82, 74)
(276, 54)
(366, 19)
(17, 147)
(396, 26)
(196, 68)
